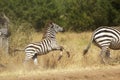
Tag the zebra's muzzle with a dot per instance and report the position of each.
(63, 30)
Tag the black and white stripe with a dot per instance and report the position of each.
(47, 44)
(105, 38)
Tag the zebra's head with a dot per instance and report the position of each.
(56, 27)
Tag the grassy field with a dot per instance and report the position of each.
(12, 68)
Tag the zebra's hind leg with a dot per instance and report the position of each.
(26, 60)
(28, 57)
(105, 55)
(61, 48)
(109, 58)
(101, 58)
(35, 59)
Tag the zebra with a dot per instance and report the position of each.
(47, 44)
(105, 38)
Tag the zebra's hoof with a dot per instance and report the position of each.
(68, 54)
(59, 58)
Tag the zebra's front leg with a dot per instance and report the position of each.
(61, 53)
(60, 56)
(61, 48)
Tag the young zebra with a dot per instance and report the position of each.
(47, 44)
(105, 38)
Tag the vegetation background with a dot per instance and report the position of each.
(74, 15)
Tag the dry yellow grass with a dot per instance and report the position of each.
(48, 64)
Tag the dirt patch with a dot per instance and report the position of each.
(84, 74)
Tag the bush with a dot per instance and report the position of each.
(75, 15)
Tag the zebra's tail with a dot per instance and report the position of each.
(89, 45)
(18, 50)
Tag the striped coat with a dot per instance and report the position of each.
(47, 44)
(105, 38)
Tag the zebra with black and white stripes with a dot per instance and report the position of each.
(105, 38)
(47, 44)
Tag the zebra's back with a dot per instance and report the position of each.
(107, 36)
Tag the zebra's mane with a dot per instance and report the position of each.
(47, 25)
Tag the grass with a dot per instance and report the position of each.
(73, 42)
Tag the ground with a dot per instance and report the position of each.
(93, 73)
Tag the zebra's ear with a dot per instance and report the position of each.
(50, 22)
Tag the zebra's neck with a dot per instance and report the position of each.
(51, 33)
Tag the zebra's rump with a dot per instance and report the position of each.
(102, 41)
(107, 36)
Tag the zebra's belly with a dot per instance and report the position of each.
(45, 51)
(115, 45)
